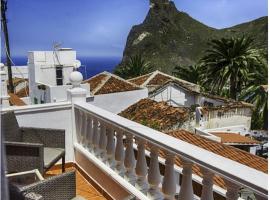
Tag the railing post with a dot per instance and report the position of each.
(232, 190)
(186, 190)
(110, 147)
(154, 177)
(169, 180)
(130, 159)
(81, 127)
(89, 133)
(207, 183)
(119, 153)
(102, 141)
(95, 136)
(77, 117)
(141, 167)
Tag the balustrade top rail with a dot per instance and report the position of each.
(230, 170)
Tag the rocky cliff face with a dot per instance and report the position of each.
(168, 37)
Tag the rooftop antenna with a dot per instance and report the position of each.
(5, 30)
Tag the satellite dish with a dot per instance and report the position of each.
(1, 65)
(77, 64)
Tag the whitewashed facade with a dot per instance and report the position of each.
(42, 66)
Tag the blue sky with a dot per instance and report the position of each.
(100, 28)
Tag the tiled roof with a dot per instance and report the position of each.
(234, 138)
(17, 81)
(228, 106)
(140, 80)
(105, 83)
(14, 100)
(157, 78)
(24, 92)
(226, 151)
(157, 115)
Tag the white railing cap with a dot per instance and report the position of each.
(229, 169)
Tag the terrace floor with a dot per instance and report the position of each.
(83, 187)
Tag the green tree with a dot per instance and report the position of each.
(136, 66)
(227, 64)
(256, 92)
(190, 73)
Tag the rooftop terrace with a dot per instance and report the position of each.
(123, 158)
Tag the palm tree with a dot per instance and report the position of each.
(227, 64)
(136, 66)
(256, 92)
(189, 73)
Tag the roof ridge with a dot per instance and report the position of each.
(126, 81)
(104, 80)
(150, 78)
(175, 78)
(140, 76)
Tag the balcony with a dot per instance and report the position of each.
(126, 160)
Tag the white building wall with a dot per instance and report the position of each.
(117, 102)
(175, 96)
(218, 119)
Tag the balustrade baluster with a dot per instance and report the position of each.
(186, 190)
(207, 183)
(154, 177)
(130, 160)
(80, 126)
(169, 180)
(141, 167)
(77, 123)
(102, 141)
(119, 153)
(95, 136)
(89, 135)
(232, 190)
(110, 147)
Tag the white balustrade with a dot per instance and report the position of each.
(169, 180)
(130, 161)
(95, 136)
(119, 153)
(207, 183)
(232, 190)
(102, 141)
(141, 167)
(186, 190)
(110, 147)
(105, 133)
(154, 177)
(89, 136)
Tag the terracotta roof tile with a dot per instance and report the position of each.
(24, 92)
(105, 83)
(14, 100)
(157, 79)
(95, 81)
(157, 115)
(234, 138)
(226, 151)
(140, 80)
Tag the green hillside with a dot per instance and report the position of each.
(168, 37)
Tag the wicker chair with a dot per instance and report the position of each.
(31, 148)
(61, 187)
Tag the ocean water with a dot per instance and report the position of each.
(90, 65)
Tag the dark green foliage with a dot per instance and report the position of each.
(256, 94)
(228, 63)
(174, 38)
(190, 73)
(136, 66)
